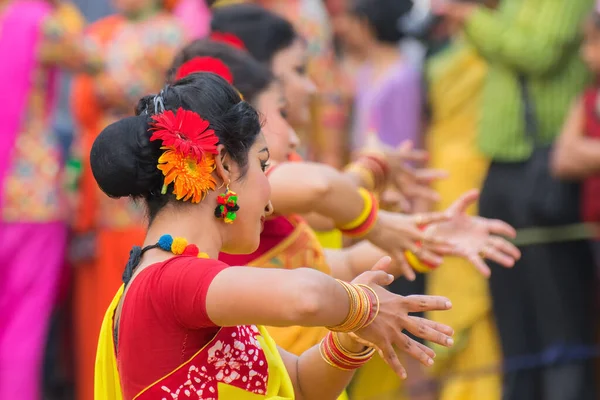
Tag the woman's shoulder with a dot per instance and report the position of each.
(185, 261)
(179, 269)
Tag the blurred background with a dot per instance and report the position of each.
(503, 94)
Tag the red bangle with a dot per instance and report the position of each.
(380, 161)
(378, 173)
(364, 228)
(335, 355)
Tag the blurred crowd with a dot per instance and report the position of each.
(501, 94)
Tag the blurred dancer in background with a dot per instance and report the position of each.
(323, 125)
(36, 38)
(137, 46)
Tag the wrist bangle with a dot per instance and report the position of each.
(338, 357)
(364, 214)
(367, 176)
(367, 218)
(417, 264)
(364, 307)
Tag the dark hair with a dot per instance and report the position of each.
(124, 160)
(384, 17)
(263, 32)
(250, 77)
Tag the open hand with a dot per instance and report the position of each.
(396, 233)
(385, 333)
(409, 180)
(474, 238)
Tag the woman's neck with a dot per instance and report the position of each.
(202, 231)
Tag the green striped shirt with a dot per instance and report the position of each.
(538, 39)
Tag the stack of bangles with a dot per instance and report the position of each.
(373, 170)
(364, 307)
(363, 224)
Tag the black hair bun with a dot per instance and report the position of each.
(123, 159)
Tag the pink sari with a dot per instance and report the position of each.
(20, 33)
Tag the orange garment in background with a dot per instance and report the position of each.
(95, 281)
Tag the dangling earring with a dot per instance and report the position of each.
(227, 206)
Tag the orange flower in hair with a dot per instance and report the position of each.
(189, 158)
(191, 179)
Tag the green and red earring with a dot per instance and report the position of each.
(227, 206)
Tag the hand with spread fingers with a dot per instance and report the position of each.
(405, 175)
(473, 238)
(385, 333)
(397, 233)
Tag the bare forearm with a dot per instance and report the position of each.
(302, 187)
(347, 264)
(274, 297)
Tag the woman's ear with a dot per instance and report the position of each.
(223, 165)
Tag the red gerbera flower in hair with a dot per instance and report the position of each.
(185, 132)
(205, 64)
(228, 38)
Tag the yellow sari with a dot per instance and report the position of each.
(289, 243)
(455, 77)
(262, 372)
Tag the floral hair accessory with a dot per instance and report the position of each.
(205, 64)
(229, 39)
(189, 148)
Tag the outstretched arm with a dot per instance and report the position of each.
(229, 296)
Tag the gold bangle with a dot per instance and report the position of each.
(359, 312)
(376, 301)
(367, 207)
(417, 264)
(365, 174)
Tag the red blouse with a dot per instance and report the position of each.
(163, 320)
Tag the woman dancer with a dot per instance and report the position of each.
(287, 241)
(137, 45)
(195, 155)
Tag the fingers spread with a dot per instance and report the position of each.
(410, 347)
(417, 303)
(505, 247)
(388, 354)
(481, 266)
(501, 228)
(464, 202)
(430, 218)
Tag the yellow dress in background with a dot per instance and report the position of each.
(455, 79)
